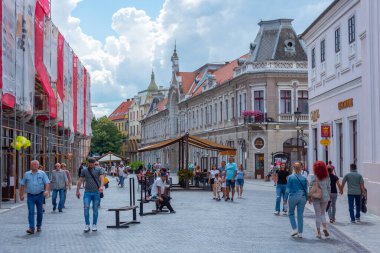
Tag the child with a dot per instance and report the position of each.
(224, 183)
(218, 186)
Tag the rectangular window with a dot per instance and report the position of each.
(233, 107)
(313, 58)
(201, 117)
(337, 40)
(216, 113)
(259, 100)
(240, 105)
(285, 101)
(245, 101)
(351, 29)
(226, 109)
(221, 111)
(323, 47)
(206, 115)
(194, 119)
(303, 101)
(210, 120)
(354, 137)
(197, 119)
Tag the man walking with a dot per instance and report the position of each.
(355, 189)
(222, 167)
(231, 172)
(94, 178)
(36, 183)
(64, 168)
(59, 183)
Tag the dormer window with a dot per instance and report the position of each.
(290, 46)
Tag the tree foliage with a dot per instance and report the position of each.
(106, 136)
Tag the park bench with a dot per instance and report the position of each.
(132, 207)
(123, 224)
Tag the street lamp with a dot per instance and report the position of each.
(297, 115)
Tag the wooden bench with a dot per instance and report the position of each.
(123, 224)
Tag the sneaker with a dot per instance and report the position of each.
(60, 210)
(276, 213)
(285, 213)
(294, 233)
(172, 211)
(226, 199)
(299, 235)
(232, 200)
(86, 228)
(94, 228)
(358, 220)
(39, 229)
(352, 221)
(54, 208)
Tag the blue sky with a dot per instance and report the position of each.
(121, 41)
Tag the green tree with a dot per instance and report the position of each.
(106, 136)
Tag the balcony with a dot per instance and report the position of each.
(253, 117)
(290, 118)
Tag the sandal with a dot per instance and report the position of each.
(319, 236)
(326, 233)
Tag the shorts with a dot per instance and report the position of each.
(240, 182)
(212, 181)
(229, 183)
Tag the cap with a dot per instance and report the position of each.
(91, 160)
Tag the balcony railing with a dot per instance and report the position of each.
(276, 66)
(291, 118)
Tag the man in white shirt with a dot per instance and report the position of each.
(158, 192)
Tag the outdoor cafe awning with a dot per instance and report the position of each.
(110, 157)
(193, 141)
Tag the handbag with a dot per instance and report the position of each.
(363, 202)
(316, 191)
(96, 182)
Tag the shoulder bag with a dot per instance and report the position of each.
(96, 182)
(316, 191)
(301, 186)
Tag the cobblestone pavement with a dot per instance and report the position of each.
(200, 225)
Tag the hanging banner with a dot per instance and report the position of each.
(85, 101)
(20, 49)
(8, 53)
(80, 97)
(71, 88)
(89, 109)
(47, 45)
(40, 67)
(66, 82)
(75, 93)
(45, 4)
(60, 84)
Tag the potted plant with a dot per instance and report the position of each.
(184, 175)
(252, 116)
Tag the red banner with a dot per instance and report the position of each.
(75, 92)
(1, 45)
(45, 4)
(85, 102)
(40, 68)
(325, 131)
(61, 41)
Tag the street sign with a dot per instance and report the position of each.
(325, 131)
(325, 142)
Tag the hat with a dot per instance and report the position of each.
(91, 160)
(164, 175)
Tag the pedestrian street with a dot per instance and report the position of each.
(200, 224)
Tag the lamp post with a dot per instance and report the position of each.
(297, 115)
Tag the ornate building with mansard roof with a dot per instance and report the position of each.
(256, 103)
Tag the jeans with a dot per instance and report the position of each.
(61, 198)
(87, 198)
(166, 202)
(64, 197)
(320, 209)
(332, 209)
(298, 200)
(35, 200)
(351, 200)
(281, 192)
(121, 181)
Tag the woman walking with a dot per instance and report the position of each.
(297, 190)
(282, 180)
(320, 189)
(334, 181)
(211, 180)
(240, 180)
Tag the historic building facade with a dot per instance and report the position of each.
(253, 103)
(343, 51)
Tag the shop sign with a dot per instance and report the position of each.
(346, 104)
(325, 142)
(325, 131)
(314, 115)
(258, 143)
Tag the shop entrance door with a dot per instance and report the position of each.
(259, 165)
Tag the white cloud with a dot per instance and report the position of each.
(205, 31)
